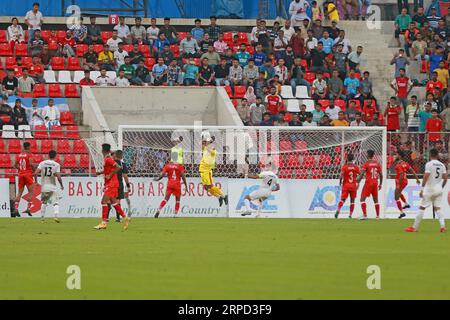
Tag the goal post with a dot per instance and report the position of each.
(301, 156)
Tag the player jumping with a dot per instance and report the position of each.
(174, 172)
(26, 168)
(401, 182)
(50, 171)
(433, 183)
(372, 170)
(111, 188)
(207, 164)
(268, 185)
(349, 183)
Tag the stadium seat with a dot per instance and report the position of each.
(14, 146)
(49, 76)
(38, 158)
(73, 132)
(21, 49)
(10, 62)
(285, 145)
(228, 36)
(61, 35)
(197, 62)
(310, 77)
(46, 146)
(324, 159)
(81, 50)
(145, 49)
(300, 145)
(309, 104)
(337, 160)
(70, 90)
(2, 146)
(54, 90)
(228, 90)
(64, 76)
(33, 145)
(357, 103)
(308, 161)
(5, 49)
(3, 37)
(56, 132)
(94, 75)
(24, 132)
(285, 174)
(366, 103)
(340, 103)
(301, 173)
(8, 132)
(304, 64)
(286, 92)
(293, 160)
(111, 74)
(63, 146)
(66, 117)
(239, 92)
(11, 174)
(58, 63)
(73, 63)
(78, 75)
(243, 37)
(176, 50)
(40, 131)
(39, 90)
(149, 63)
(17, 71)
(301, 92)
(84, 161)
(98, 48)
(317, 174)
(326, 76)
(128, 47)
(46, 34)
(70, 161)
(251, 50)
(5, 161)
(79, 147)
(52, 45)
(27, 61)
(181, 35)
(293, 105)
(105, 35)
(325, 103)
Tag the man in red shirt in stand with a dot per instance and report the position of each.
(402, 86)
(434, 83)
(392, 115)
(87, 81)
(349, 182)
(274, 102)
(111, 188)
(36, 70)
(174, 172)
(26, 168)
(434, 124)
(369, 110)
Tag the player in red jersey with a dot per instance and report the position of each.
(174, 172)
(111, 188)
(401, 181)
(372, 170)
(349, 183)
(26, 168)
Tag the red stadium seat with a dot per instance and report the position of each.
(70, 161)
(326, 75)
(228, 36)
(228, 90)
(17, 71)
(82, 49)
(84, 161)
(52, 44)
(239, 92)
(309, 161)
(304, 64)
(145, 49)
(98, 48)
(70, 90)
(5, 49)
(366, 103)
(325, 103)
(38, 158)
(21, 49)
(357, 103)
(3, 37)
(66, 117)
(301, 173)
(285, 145)
(175, 49)
(310, 77)
(79, 147)
(243, 37)
(340, 103)
(181, 35)
(39, 90)
(58, 63)
(2, 146)
(337, 160)
(300, 146)
(56, 132)
(11, 174)
(251, 50)
(33, 145)
(10, 62)
(197, 62)
(293, 161)
(14, 146)
(2, 74)
(27, 61)
(46, 34)
(61, 35)
(105, 35)
(5, 161)
(73, 132)
(40, 132)
(73, 63)
(63, 146)
(46, 146)
(317, 174)
(286, 174)
(54, 90)
(324, 159)
(128, 47)
(149, 63)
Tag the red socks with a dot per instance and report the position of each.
(177, 207)
(119, 210)
(162, 204)
(402, 197)
(16, 205)
(105, 211)
(399, 205)
(377, 209)
(340, 204)
(352, 208)
(364, 208)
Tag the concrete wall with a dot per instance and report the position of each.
(110, 107)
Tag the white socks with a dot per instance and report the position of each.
(419, 218)
(441, 219)
(56, 209)
(43, 209)
(247, 204)
(128, 206)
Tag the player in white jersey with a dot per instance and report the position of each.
(433, 183)
(268, 185)
(50, 171)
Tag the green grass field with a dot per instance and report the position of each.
(223, 259)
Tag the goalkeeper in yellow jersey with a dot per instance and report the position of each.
(207, 165)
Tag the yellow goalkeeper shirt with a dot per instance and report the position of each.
(208, 159)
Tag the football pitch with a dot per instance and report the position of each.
(213, 258)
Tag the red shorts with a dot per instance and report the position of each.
(348, 191)
(25, 180)
(111, 191)
(370, 189)
(401, 186)
(173, 190)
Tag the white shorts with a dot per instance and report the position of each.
(51, 197)
(260, 193)
(431, 198)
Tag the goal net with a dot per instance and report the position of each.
(295, 153)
